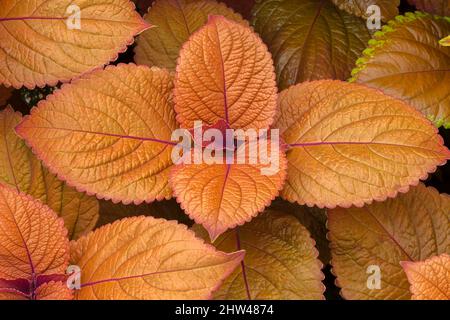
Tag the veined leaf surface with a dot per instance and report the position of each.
(147, 258)
(108, 133)
(389, 8)
(350, 144)
(176, 21)
(33, 240)
(20, 169)
(412, 227)
(38, 47)
(406, 61)
(280, 260)
(310, 39)
(429, 279)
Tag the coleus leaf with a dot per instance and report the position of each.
(223, 196)
(440, 7)
(33, 240)
(310, 40)
(429, 279)
(280, 261)
(147, 258)
(412, 227)
(313, 219)
(176, 21)
(445, 42)
(389, 8)
(5, 94)
(39, 48)
(54, 291)
(406, 52)
(350, 144)
(108, 133)
(21, 170)
(225, 73)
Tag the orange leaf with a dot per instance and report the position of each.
(412, 227)
(406, 61)
(445, 42)
(33, 240)
(223, 196)
(5, 94)
(54, 291)
(225, 73)
(430, 279)
(147, 258)
(108, 133)
(45, 50)
(350, 144)
(21, 170)
(176, 21)
(280, 260)
(440, 7)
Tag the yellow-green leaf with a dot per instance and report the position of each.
(109, 133)
(406, 61)
(44, 42)
(147, 258)
(350, 144)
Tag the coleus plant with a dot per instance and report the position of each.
(109, 133)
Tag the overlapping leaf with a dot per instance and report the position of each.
(147, 258)
(440, 7)
(42, 44)
(413, 227)
(54, 291)
(280, 261)
(406, 61)
(350, 144)
(108, 133)
(310, 39)
(225, 73)
(176, 21)
(223, 196)
(21, 170)
(33, 240)
(389, 8)
(429, 279)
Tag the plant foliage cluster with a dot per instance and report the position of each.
(92, 205)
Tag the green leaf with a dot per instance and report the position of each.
(406, 61)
